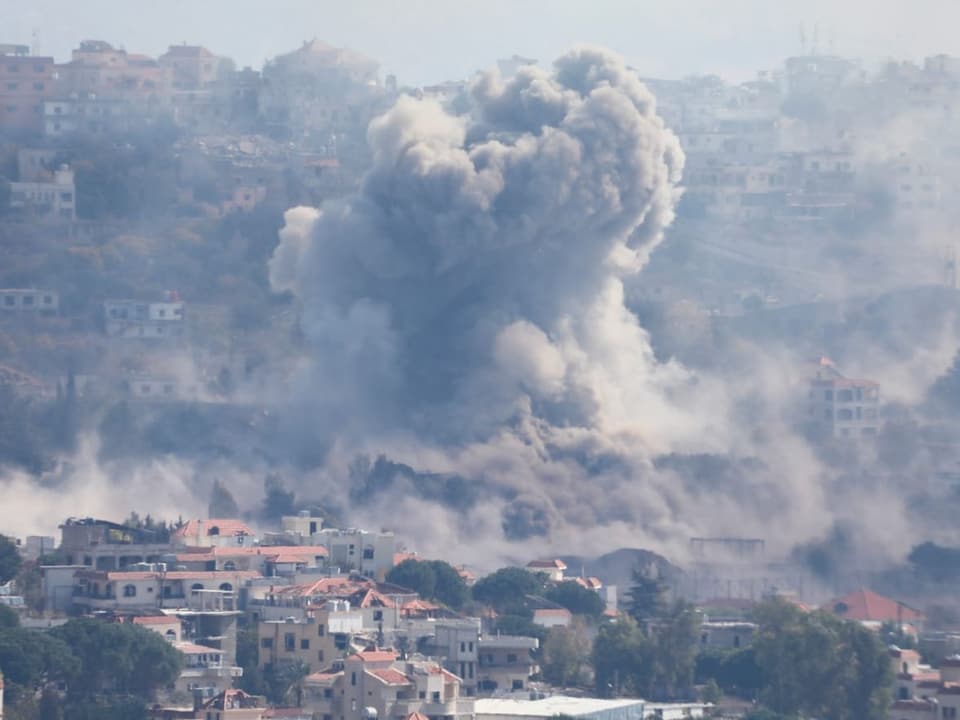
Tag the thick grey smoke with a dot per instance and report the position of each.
(465, 311)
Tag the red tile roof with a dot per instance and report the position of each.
(417, 716)
(227, 527)
(390, 676)
(374, 656)
(120, 576)
(155, 620)
(865, 605)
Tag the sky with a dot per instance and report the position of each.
(429, 41)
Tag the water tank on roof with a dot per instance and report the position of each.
(369, 713)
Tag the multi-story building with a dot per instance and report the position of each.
(43, 302)
(368, 553)
(845, 407)
(375, 684)
(505, 663)
(158, 588)
(104, 545)
(145, 320)
(457, 643)
(53, 199)
(205, 671)
(25, 82)
(316, 640)
(190, 67)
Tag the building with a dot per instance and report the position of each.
(457, 643)
(316, 640)
(270, 561)
(105, 545)
(227, 705)
(17, 300)
(213, 532)
(549, 617)
(205, 671)
(844, 407)
(145, 320)
(553, 569)
(582, 707)
(505, 663)
(190, 67)
(155, 589)
(54, 199)
(97, 70)
(726, 635)
(872, 609)
(375, 684)
(25, 82)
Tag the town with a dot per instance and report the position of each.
(317, 623)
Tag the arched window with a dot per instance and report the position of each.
(229, 565)
(170, 635)
(226, 587)
(196, 586)
(129, 590)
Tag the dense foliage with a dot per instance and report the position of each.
(433, 580)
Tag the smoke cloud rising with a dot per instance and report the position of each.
(466, 314)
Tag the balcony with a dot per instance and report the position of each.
(212, 671)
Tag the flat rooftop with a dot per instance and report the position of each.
(552, 706)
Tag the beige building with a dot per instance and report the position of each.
(317, 640)
(375, 684)
(845, 407)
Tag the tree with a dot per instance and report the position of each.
(711, 692)
(10, 560)
(566, 654)
(8, 618)
(222, 504)
(817, 665)
(576, 598)
(622, 659)
(647, 596)
(433, 580)
(507, 588)
(674, 651)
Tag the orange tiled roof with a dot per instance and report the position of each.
(865, 605)
(227, 527)
(548, 564)
(374, 656)
(155, 620)
(390, 676)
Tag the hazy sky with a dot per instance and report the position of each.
(427, 41)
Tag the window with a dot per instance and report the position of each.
(518, 684)
(28, 299)
(511, 658)
(435, 697)
(304, 644)
(353, 678)
(266, 643)
(11, 86)
(289, 642)
(319, 655)
(368, 553)
(229, 564)
(463, 647)
(38, 67)
(378, 615)
(129, 590)
(9, 300)
(423, 694)
(38, 86)
(321, 630)
(470, 646)
(195, 587)
(828, 394)
(226, 587)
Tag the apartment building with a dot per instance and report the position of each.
(323, 635)
(29, 301)
(133, 319)
(54, 199)
(25, 82)
(844, 407)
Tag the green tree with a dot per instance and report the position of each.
(433, 580)
(521, 624)
(8, 618)
(647, 596)
(417, 575)
(576, 598)
(450, 588)
(674, 639)
(566, 654)
(10, 560)
(507, 588)
(622, 659)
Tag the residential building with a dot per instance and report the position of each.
(99, 70)
(205, 671)
(553, 569)
(159, 388)
(872, 609)
(270, 561)
(228, 705)
(505, 663)
(844, 407)
(374, 683)
(213, 532)
(25, 82)
(549, 617)
(457, 643)
(149, 589)
(726, 635)
(584, 707)
(369, 553)
(55, 199)
(19, 300)
(190, 67)
(316, 640)
(105, 545)
(36, 546)
(145, 320)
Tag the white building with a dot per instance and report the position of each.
(589, 708)
(369, 553)
(44, 302)
(846, 407)
(50, 200)
(135, 319)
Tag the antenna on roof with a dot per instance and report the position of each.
(35, 40)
